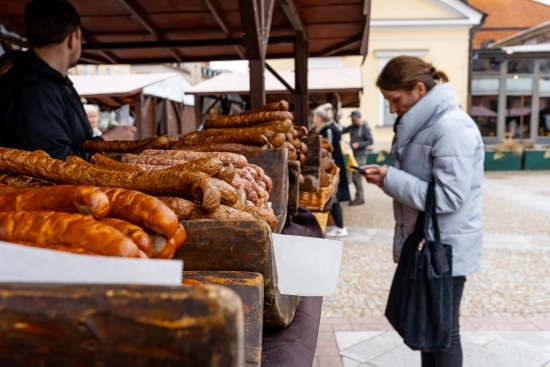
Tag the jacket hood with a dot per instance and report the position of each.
(425, 113)
(33, 64)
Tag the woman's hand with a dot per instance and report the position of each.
(375, 174)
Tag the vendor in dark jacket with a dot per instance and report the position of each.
(361, 138)
(39, 107)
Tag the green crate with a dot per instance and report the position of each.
(536, 159)
(380, 159)
(503, 161)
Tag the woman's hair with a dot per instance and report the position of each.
(404, 72)
(325, 112)
(89, 108)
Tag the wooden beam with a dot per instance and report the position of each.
(279, 78)
(293, 16)
(301, 100)
(251, 26)
(178, 43)
(89, 38)
(341, 46)
(224, 27)
(268, 6)
(142, 19)
(364, 49)
(257, 83)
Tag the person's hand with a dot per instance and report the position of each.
(120, 133)
(375, 174)
(354, 145)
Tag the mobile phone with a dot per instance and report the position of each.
(358, 169)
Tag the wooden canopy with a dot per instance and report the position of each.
(152, 31)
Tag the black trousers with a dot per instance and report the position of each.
(452, 356)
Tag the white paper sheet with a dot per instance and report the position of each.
(23, 264)
(307, 266)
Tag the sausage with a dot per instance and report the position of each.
(226, 173)
(64, 198)
(246, 120)
(135, 233)
(165, 182)
(209, 165)
(282, 105)
(142, 210)
(221, 147)
(172, 245)
(181, 207)
(222, 213)
(70, 230)
(257, 139)
(101, 160)
(127, 146)
(236, 160)
(13, 179)
(283, 126)
(278, 140)
(264, 214)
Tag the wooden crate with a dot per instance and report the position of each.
(124, 326)
(250, 287)
(238, 245)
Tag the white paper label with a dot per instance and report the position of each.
(307, 266)
(23, 264)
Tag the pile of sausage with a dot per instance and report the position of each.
(89, 220)
(201, 187)
(230, 167)
(269, 126)
(328, 167)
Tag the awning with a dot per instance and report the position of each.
(113, 90)
(347, 82)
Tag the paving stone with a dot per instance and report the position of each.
(398, 357)
(330, 362)
(477, 338)
(533, 340)
(346, 340)
(500, 353)
(373, 347)
(350, 362)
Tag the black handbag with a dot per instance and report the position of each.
(420, 301)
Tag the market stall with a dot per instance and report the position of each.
(166, 109)
(218, 199)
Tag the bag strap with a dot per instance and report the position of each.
(431, 214)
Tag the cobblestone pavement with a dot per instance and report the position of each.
(514, 281)
(505, 312)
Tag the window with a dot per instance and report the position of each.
(544, 108)
(518, 106)
(521, 66)
(484, 109)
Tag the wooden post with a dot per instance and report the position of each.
(198, 111)
(301, 99)
(172, 125)
(257, 83)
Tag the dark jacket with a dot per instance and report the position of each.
(362, 135)
(334, 135)
(40, 109)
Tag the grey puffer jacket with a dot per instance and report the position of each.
(436, 138)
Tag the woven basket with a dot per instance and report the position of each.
(316, 201)
(322, 218)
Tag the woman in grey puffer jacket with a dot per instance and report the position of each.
(435, 140)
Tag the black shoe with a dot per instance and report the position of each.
(357, 202)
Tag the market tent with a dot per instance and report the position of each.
(325, 85)
(159, 101)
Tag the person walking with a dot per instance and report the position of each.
(323, 120)
(361, 138)
(435, 141)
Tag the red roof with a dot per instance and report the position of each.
(507, 17)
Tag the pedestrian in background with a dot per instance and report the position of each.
(361, 138)
(435, 141)
(323, 120)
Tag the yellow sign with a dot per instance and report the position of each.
(547, 154)
(381, 157)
